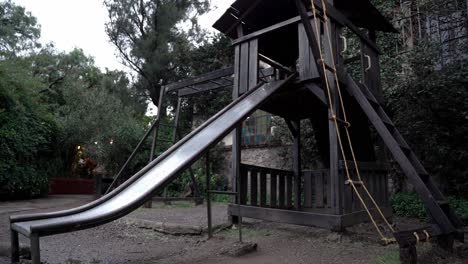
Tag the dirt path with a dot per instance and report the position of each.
(125, 242)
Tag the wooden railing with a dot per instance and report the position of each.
(266, 187)
(318, 192)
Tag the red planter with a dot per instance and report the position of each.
(71, 186)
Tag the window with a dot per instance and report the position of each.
(256, 129)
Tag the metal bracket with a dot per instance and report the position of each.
(345, 44)
(369, 62)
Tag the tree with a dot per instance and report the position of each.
(429, 106)
(148, 36)
(97, 111)
(28, 133)
(19, 31)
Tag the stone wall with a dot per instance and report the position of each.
(277, 157)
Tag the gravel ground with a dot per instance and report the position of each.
(124, 242)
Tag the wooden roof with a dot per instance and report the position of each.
(259, 14)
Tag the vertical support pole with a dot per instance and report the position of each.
(408, 254)
(14, 246)
(445, 242)
(35, 249)
(208, 196)
(236, 149)
(154, 143)
(97, 186)
(236, 140)
(297, 165)
(331, 55)
(175, 135)
(176, 121)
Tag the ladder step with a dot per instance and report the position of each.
(165, 140)
(166, 125)
(417, 235)
(406, 149)
(327, 67)
(370, 97)
(443, 202)
(357, 183)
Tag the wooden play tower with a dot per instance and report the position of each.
(308, 45)
(307, 41)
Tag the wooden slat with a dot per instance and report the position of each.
(243, 186)
(289, 191)
(253, 63)
(319, 187)
(311, 39)
(348, 194)
(263, 188)
(273, 190)
(371, 77)
(235, 90)
(281, 191)
(307, 62)
(244, 68)
(308, 189)
(253, 188)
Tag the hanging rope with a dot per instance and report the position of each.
(347, 124)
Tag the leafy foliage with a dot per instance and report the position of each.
(52, 102)
(410, 205)
(148, 36)
(27, 135)
(19, 31)
(429, 106)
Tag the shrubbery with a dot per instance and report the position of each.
(410, 205)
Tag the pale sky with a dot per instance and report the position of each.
(80, 23)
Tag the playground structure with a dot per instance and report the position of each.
(303, 75)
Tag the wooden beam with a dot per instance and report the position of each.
(267, 30)
(332, 12)
(310, 35)
(274, 63)
(200, 79)
(242, 16)
(362, 216)
(287, 216)
(317, 91)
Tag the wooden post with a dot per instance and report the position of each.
(295, 129)
(297, 165)
(408, 255)
(175, 135)
(149, 203)
(97, 186)
(208, 198)
(237, 134)
(334, 185)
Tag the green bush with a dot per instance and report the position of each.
(410, 205)
(28, 136)
(26, 154)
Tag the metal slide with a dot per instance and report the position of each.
(144, 184)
